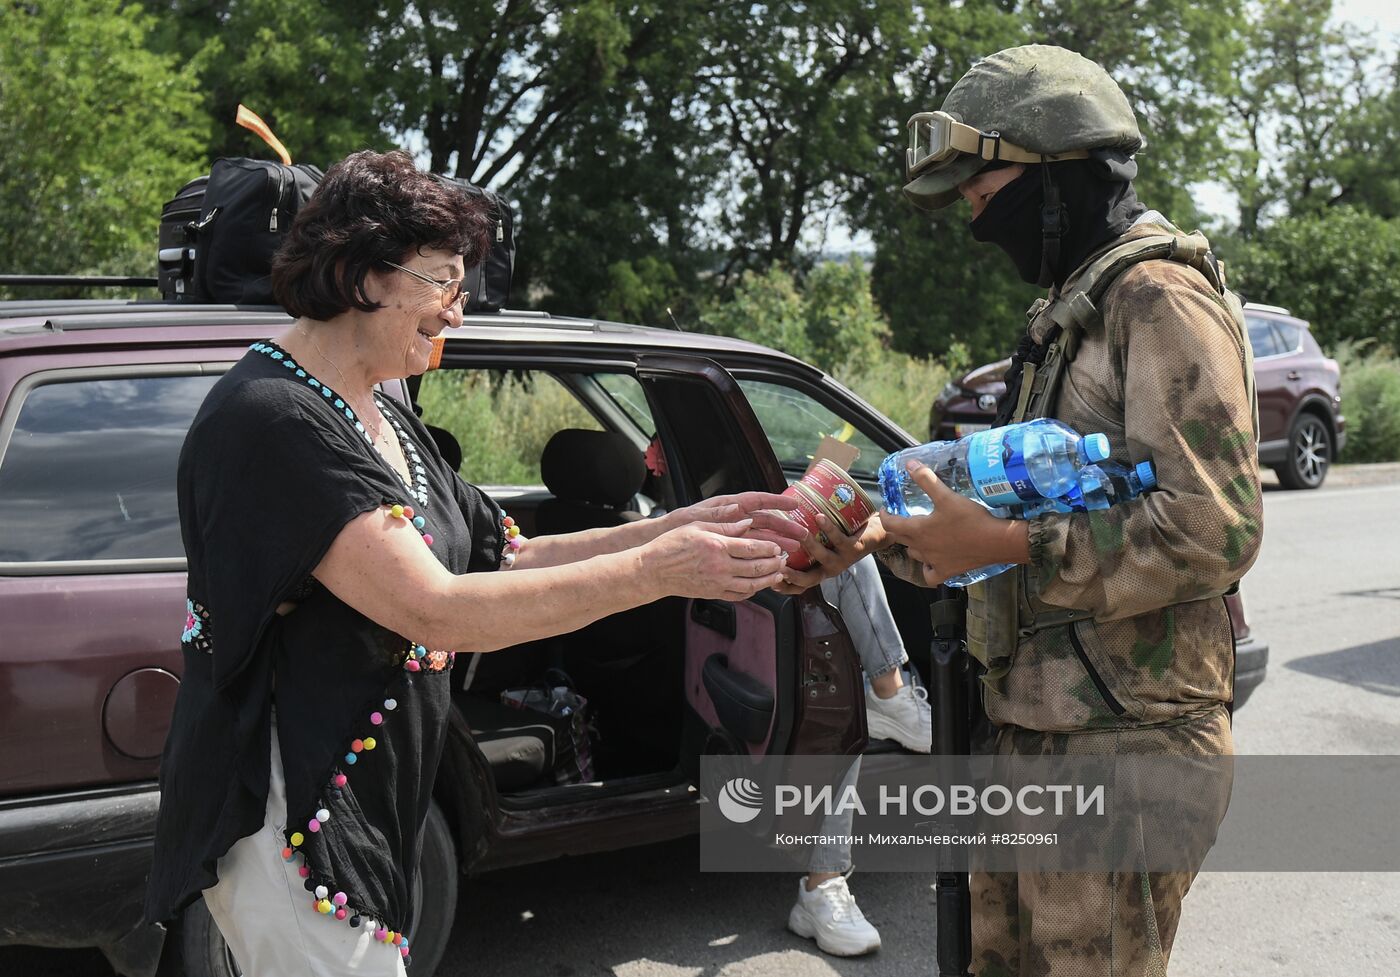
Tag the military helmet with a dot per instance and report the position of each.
(1035, 103)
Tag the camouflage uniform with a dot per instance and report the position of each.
(1145, 663)
(1164, 378)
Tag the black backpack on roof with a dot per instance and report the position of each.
(219, 233)
(223, 254)
(489, 282)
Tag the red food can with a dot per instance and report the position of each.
(829, 491)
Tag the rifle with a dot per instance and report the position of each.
(952, 678)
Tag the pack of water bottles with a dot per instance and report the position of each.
(1018, 471)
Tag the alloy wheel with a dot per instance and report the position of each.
(1312, 451)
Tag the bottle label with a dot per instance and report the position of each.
(997, 466)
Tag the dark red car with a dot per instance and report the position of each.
(95, 401)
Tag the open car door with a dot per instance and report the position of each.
(773, 674)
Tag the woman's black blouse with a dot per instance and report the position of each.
(273, 468)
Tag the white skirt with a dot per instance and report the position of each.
(261, 905)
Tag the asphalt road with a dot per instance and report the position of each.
(1325, 594)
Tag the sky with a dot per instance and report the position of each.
(1381, 19)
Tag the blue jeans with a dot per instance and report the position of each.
(857, 593)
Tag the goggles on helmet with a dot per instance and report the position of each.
(935, 137)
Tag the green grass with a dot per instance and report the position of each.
(501, 420)
(901, 387)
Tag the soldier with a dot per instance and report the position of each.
(1110, 636)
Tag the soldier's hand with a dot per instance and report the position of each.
(828, 561)
(959, 535)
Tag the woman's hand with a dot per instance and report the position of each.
(764, 511)
(710, 560)
(959, 535)
(828, 561)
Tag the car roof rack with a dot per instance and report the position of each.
(78, 281)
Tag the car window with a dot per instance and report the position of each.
(626, 391)
(1263, 338)
(89, 473)
(795, 423)
(501, 420)
(1290, 336)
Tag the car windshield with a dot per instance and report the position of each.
(796, 423)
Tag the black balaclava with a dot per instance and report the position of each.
(1096, 205)
(1052, 216)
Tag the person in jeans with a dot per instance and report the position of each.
(895, 709)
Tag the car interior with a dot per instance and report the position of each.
(601, 463)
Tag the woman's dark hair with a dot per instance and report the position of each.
(371, 208)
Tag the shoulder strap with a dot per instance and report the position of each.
(1078, 309)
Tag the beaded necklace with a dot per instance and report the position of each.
(418, 487)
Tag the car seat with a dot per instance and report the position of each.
(594, 477)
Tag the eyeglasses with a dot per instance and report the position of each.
(452, 291)
(935, 137)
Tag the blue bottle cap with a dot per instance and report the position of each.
(1096, 447)
(1147, 475)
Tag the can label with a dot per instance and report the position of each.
(827, 490)
(849, 502)
(997, 466)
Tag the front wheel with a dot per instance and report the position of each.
(434, 894)
(196, 948)
(1309, 454)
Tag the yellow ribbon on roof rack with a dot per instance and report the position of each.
(251, 121)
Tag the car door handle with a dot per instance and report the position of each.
(1294, 375)
(716, 615)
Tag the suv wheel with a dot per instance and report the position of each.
(434, 895)
(1309, 453)
(196, 948)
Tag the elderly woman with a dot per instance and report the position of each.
(337, 564)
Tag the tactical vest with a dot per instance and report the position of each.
(1006, 608)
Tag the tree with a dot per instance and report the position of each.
(797, 92)
(491, 84)
(614, 207)
(303, 65)
(1339, 269)
(96, 132)
(1317, 113)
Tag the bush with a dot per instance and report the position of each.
(831, 320)
(901, 387)
(1371, 402)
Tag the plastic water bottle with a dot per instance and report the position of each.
(1015, 465)
(1100, 486)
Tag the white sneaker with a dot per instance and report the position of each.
(904, 717)
(829, 915)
